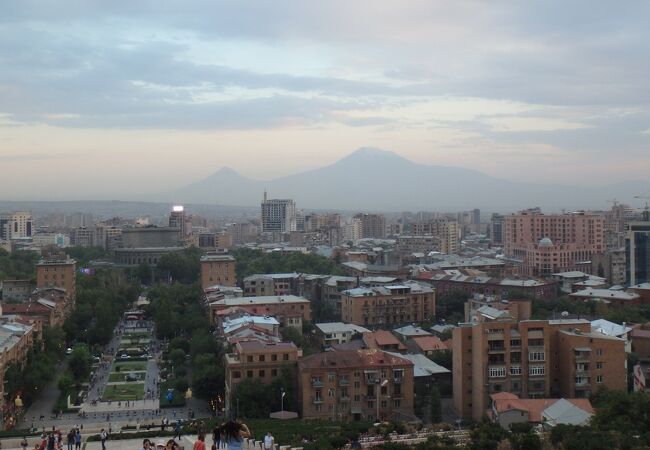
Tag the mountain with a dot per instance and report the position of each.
(372, 179)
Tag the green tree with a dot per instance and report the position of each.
(65, 383)
(177, 357)
(54, 340)
(80, 363)
(436, 406)
(207, 376)
(486, 435)
(293, 335)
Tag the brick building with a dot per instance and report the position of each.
(290, 310)
(257, 360)
(544, 244)
(356, 385)
(393, 304)
(218, 269)
(532, 359)
(60, 272)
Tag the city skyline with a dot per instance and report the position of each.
(539, 92)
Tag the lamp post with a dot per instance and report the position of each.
(382, 384)
(282, 400)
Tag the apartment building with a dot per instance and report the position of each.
(290, 310)
(257, 360)
(637, 250)
(259, 285)
(58, 271)
(356, 385)
(16, 225)
(278, 215)
(446, 232)
(371, 225)
(545, 244)
(532, 359)
(392, 304)
(218, 269)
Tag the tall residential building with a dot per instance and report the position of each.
(16, 225)
(278, 215)
(496, 229)
(405, 303)
(218, 269)
(178, 220)
(356, 385)
(545, 244)
(82, 237)
(372, 225)
(532, 359)
(637, 250)
(445, 230)
(243, 233)
(610, 265)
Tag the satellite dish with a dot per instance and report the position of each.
(565, 314)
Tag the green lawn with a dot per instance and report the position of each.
(130, 365)
(131, 391)
(121, 376)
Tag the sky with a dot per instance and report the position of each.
(110, 99)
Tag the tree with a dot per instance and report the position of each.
(523, 437)
(436, 406)
(486, 435)
(54, 340)
(177, 357)
(293, 335)
(80, 363)
(65, 383)
(207, 376)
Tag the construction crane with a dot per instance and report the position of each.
(646, 211)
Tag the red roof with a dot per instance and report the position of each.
(430, 343)
(643, 334)
(382, 338)
(505, 401)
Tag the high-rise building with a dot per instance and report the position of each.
(82, 237)
(278, 215)
(545, 244)
(445, 231)
(372, 225)
(16, 225)
(496, 229)
(532, 359)
(178, 220)
(637, 250)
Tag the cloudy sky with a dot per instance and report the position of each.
(111, 98)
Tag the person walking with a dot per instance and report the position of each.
(69, 439)
(23, 443)
(216, 437)
(77, 440)
(268, 441)
(178, 430)
(103, 436)
(234, 433)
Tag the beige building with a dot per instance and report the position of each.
(218, 269)
(531, 359)
(260, 285)
(58, 271)
(445, 232)
(290, 310)
(356, 385)
(258, 360)
(16, 225)
(393, 304)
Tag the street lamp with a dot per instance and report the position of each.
(282, 400)
(382, 384)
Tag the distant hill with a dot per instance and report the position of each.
(372, 179)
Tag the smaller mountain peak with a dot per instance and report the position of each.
(372, 154)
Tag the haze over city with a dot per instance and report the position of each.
(120, 100)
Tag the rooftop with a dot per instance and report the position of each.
(422, 366)
(339, 327)
(364, 359)
(262, 300)
(411, 330)
(609, 328)
(430, 343)
(210, 258)
(605, 294)
(382, 338)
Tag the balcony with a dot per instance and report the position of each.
(344, 382)
(496, 349)
(582, 385)
(317, 383)
(345, 398)
(371, 397)
(372, 380)
(399, 380)
(317, 400)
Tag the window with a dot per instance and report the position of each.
(536, 342)
(536, 370)
(285, 357)
(497, 372)
(262, 373)
(262, 358)
(357, 398)
(249, 358)
(331, 376)
(536, 356)
(330, 393)
(357, 384)
(274, 357)
(236, 374)
(599, 379)
(397, 403)
(515, 342)
(599, 352)
(599, 365)
(515, 370)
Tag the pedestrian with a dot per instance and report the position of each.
(103, 436)
(216, 437)
(77, 439)
(177, 430)
(146, 444)
(200, 442)
(268, 441)
(50, 441)
(70, 439)
(23, 443)
(234, 433)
